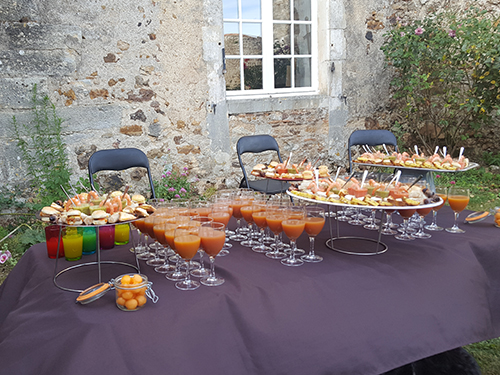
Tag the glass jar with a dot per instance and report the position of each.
(131, 291)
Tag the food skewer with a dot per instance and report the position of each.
(365, 173)
(349, 179)
(385, 148)
(416, 149)
(71, 199)
(125, 192)
(461, 153)
(416, 180)
(336, 174)
(398, 173)
(83, 186)
(314, 164)
(74, 192)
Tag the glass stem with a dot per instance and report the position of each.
(276, 242)
(202, 265)
(293, 246)
(311, 246)
(456, 219)
(188, 274)
(434, 218)
(212, 267)
(373, 216)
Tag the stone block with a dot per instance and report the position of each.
(337, 44)
(23, 63)
(34, 36)
(86, 119)
(16, 93)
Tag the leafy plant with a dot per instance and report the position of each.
(43, 150)
(491, 159)
(447, 75)
(175, 184)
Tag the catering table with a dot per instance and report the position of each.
(346, 315)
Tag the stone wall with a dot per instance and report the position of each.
(148, 74)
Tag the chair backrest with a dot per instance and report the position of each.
(118, 160)
(255, 144)
(370, 138)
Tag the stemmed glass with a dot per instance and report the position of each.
(148, 231)
(387, 227)
(422, 212)
(212, 236)
(315, 221)
(293, 228)
(159, 234)
(167, 228)
(221, 213)
(187, 242)
(458, 198)
(259, 218)
(247, 212)
(176, 274)
(443, 194)
(237, 202)
(144, 253)
(274, 218)
(201, 271)
(405, 214)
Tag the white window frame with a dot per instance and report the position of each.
(267, 23)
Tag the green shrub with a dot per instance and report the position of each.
(447, 76)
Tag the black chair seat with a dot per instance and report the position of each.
(256, 144)
(117, 160)
(266, 186)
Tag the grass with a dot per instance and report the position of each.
(485, 194)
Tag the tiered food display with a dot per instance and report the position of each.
(92, 209)
(371, 193)
(413, 161)
(288, 171)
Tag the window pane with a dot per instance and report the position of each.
(231, 38)
(252, 39)
(233, 81)
(281, 42)
(302, 39)
(250, 10)
(230, 8)
(303, 72)
(282, 73)
(252, 71)
(281, 9)
(302, 10)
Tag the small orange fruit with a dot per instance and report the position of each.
(120, 301)
(126, 280)
(137, 279)
(131, 304)
(141, 300)
(127, 295)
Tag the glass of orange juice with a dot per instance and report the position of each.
(187, 242)
(458, 199)
(213, 236)
(315, 221)
(442, 192)
(293, 226)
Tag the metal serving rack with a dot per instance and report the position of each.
(351, 242)
(98, 261)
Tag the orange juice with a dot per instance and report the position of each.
(187, 245)
(236, 206)
(169, 230)
(212, 240)
(220, 217)
(424, 211)
(314, 225)
(274, 223)
(260, 219)
(247, 211)
(293, 228)
(444, 197)
(139, 224)
(458, 202)
(148, 226)
(406, 213)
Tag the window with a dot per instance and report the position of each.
(270, 46)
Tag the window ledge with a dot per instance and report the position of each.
(272, 103)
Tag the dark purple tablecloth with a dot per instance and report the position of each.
(347, 315)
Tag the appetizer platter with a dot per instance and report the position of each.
(289, 172)
(92, 209)
(351, 192)
(435, 162)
